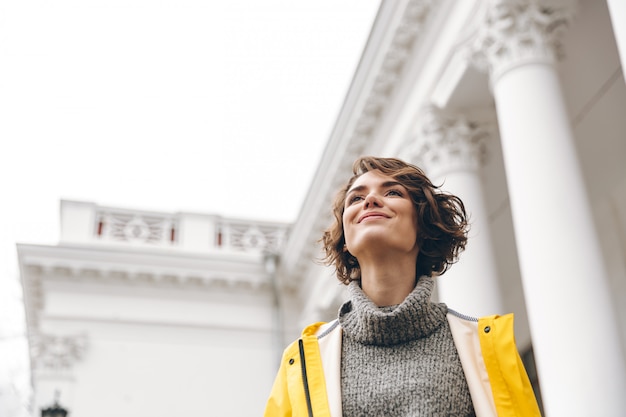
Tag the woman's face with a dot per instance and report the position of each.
(379, 215)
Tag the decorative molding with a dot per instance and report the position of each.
(446, 142)
(251, 237)
(407, 32)
(117, 225)
(57, 353)
(43, 266)
(34, 298)
(149, 229)
(515, 32)
(141, 275)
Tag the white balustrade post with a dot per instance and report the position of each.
(573, 325)
(197, 231)
(78, 222)
(451, 150)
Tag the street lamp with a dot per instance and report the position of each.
(55, 410)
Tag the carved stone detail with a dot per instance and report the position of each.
(198, 280)
(135, 227)
(250, 237)
(57, 353)
(390, 73)
(519, 31)
(446, 143)
(156, 229)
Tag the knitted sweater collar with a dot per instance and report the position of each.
(416, 317)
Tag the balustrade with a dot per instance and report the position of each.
(134, 227)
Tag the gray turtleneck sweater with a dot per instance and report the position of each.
(400, 360)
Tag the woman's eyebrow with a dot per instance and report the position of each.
(385, 184)
(357, 188)
(388, 184)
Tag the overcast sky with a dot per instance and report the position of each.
(220, 107)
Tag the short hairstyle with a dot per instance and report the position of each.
(442, 222)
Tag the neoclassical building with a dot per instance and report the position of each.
(139, 313)
(519, 108)
(516, 106)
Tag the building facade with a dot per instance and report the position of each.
(139, 313)
(516, 106)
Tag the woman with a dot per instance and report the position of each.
(393, 352)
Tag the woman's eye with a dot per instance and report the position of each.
(395, 192)
(354, 199)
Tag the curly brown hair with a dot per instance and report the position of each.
(441, 219)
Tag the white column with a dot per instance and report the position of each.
(617, 10)
(451, 150)
(573, 324)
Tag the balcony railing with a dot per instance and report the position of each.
(133, 227)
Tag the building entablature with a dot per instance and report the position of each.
(162, 255)
(122, 268)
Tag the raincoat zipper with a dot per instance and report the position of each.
(305, 381)
(462, 316)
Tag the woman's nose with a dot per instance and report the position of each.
(372, 200)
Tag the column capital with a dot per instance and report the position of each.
(445, 142)
(517, 32)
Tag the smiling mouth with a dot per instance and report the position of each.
(373, 216)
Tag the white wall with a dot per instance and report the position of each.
(159, 351)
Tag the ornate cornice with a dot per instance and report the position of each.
(385, 82)
(445, 142)
(141, 276)
(42, 265)
(57, 352)
(514, 32)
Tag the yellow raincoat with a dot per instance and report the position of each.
(308, 383)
